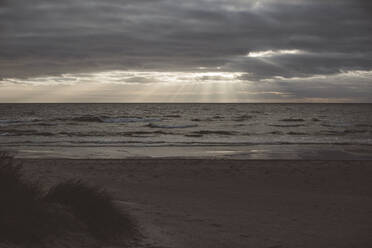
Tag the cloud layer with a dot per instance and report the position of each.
(263, 40)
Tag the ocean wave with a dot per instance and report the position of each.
(352, 131)
(8, 121)
(101, 142)
(87, 118)
(363, 125)
(276, 132)
(279, 125)
(31, 124)
(25, 133)
(113, 134)
(152, 125)
(45, 124)
(296, 133)
(28, 120)
(292, 120)
(107, 119)
(197, 119)
(344, 132)
(243, 118)
(129, 119)
(336, 125)
(288, 133)
(193, 135)
(15, 132)
(211, 132)
(135, 133)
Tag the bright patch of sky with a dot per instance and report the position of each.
(272, 53)
(130, 77)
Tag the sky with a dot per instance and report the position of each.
(186, 51)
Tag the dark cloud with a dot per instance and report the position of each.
(302, 65)
(40, 37)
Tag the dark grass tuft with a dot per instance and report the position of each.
(94, 207)
(24, 217)
(29, 216)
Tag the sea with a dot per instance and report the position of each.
(187, 130)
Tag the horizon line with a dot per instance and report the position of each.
(185, 102)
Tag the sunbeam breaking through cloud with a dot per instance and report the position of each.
(222, 42)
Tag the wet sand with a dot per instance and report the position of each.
(185, 203)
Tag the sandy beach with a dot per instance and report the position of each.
(231, 203)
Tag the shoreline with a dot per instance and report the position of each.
(253, 152)
(181, 203)
(175, 159)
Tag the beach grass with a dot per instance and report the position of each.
(30, 215)
(94, 207)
